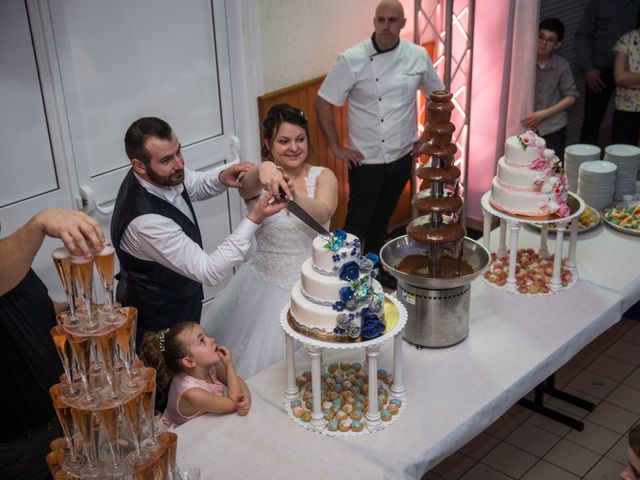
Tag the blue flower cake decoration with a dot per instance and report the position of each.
(337, 297)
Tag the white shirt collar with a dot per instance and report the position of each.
(168, 193)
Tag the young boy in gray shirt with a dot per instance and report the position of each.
(555, 88)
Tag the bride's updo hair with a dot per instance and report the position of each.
(277, 115)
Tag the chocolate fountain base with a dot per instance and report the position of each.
(437, 308)
(435, 318)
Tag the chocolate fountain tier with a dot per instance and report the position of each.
(441, 133)
(445, 175)
(424, 202)
(421, 230)
(441, 152)
(395, 251)
(439, 107)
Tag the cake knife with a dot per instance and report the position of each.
(303, 215)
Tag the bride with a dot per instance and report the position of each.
(245, 316)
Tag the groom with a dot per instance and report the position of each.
(155, 231)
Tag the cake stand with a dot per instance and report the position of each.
(372, 418)
(514, 222)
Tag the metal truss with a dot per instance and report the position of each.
(449, 25)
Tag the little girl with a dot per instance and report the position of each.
(198, 369)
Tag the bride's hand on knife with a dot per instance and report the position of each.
(273, 179)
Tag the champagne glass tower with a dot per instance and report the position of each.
(102, 421)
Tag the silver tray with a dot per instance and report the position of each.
(538, 226)
(628, 231)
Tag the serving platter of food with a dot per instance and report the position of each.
(625, 218)
(587, 220)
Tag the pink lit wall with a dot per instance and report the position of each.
(502, 89)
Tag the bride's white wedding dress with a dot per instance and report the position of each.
(245, 316)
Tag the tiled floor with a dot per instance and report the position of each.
(525, 445)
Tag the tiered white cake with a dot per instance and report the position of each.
(530, 179)
(337, 297)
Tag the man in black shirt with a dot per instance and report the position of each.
(29, 363)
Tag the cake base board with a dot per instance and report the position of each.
(391, 318)
(576, 205)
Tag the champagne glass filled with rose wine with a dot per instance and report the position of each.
(133, 414)
(60, 337)
(148, 376)
(105, 264)
(106, 345)
(126, 338)
(81, 348)
(62, 261)
(85, 422)
(63, 411)
(110, 424)
(82, 270)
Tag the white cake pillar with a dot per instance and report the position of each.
(486, 229)
(573, 241)
(398, 390)
(502, 247)
(556, 280)
(514, 230)
(292, 390)
(543, 251)
(317, 418)
(372, 417)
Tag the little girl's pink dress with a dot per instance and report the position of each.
(183, 382)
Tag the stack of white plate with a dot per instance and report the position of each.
(574, 155)
(596, 183)
(627, 159)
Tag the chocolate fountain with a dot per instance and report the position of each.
(435, 262)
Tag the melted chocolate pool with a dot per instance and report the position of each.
(447, 267)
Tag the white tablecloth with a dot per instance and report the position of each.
(452, 394)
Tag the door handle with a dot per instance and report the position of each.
(89, 203)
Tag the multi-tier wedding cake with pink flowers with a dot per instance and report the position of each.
(530, 179)
(337, 297)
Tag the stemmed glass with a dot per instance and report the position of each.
(105, 264)
(148, 403)
(84, 421)
(106, 344)
(63, 411)
(170, 441)
(82, 269)
(81, 348)
(125, 336)
(109, 420)
(132, 414)
(62, 260)
(60, 337)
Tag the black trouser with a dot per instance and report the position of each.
(24, 457)
(595, 106)
(626, 126)
(556, 141)
(374, 191)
